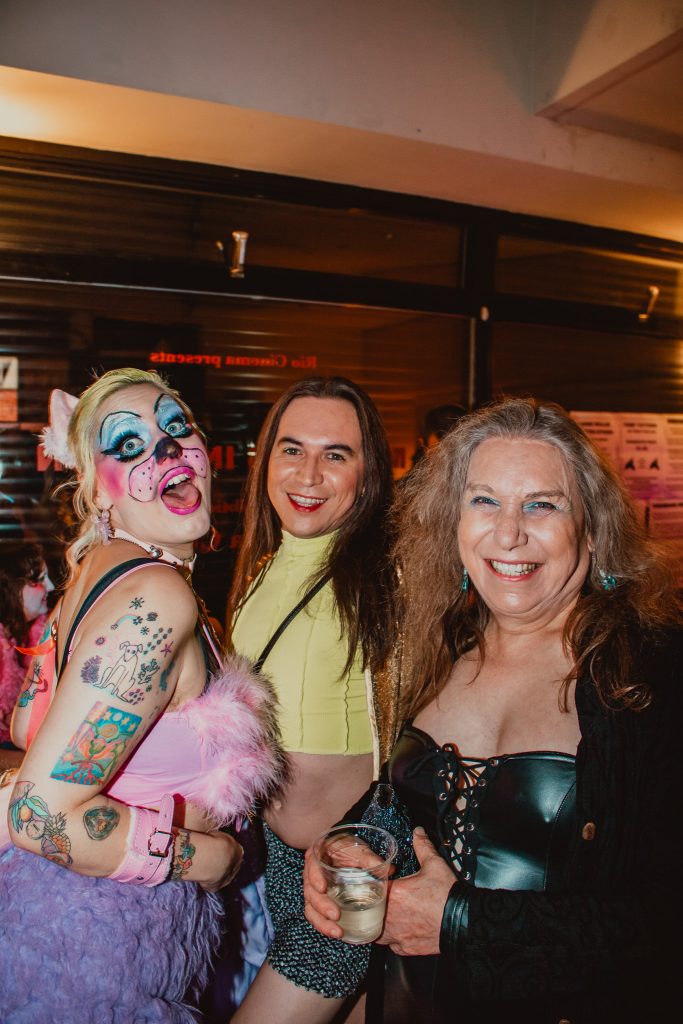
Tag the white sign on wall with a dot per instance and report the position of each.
(647, 451)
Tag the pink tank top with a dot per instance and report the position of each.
(217, 751)
(199, 752)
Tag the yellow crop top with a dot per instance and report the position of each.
(322, 709)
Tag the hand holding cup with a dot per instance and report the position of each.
(346, 880)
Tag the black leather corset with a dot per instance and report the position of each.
(501, 823)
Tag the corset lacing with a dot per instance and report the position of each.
(457, 791)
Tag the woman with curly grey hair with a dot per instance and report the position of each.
(539, 755)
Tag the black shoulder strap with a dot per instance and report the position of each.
(308, 596)
(99, 588)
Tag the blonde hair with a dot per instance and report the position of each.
(81, 436)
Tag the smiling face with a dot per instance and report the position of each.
(34, 595)
(152, 469)
(521, 535)
(315, 470)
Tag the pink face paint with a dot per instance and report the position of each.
(141, 481)
(142, 484)
(112, 475)
(196, 458)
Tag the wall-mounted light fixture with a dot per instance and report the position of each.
(649, 305)
(238, 254)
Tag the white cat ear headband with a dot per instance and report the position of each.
(54, 437)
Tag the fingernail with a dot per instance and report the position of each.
(420, 831)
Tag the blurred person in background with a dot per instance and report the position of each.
(25, 588)
(438, 422)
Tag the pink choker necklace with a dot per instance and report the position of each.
(154, 551)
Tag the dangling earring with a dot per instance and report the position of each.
(465, 581)
(102, 523)
(214, 539)
(607, 580)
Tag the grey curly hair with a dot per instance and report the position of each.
(440, 622)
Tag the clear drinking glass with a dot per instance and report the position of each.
(356, 862)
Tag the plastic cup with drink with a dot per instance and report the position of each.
(356, 862)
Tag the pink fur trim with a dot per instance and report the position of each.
(235, 720)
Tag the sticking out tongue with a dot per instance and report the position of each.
(181, 496)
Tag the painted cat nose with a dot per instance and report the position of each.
(167, 448)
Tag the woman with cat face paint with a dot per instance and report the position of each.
(141, 741)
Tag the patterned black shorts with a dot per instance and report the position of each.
(330, 967)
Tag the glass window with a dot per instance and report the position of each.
(53, 214)
(230, 359)
(572, 273)
(588, 369)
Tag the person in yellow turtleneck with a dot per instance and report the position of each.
(323, 708)
(315, 511)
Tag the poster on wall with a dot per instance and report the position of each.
(9, 389)
(647, 451)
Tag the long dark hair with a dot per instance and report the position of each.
(23, 564)
(358, 560)
(441, 621)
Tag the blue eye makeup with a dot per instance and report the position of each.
(172, 419)
(540, 507)
(124, 436)
(125, 445)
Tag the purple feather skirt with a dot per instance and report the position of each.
(90, 951)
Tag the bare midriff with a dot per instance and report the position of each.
(323, 788)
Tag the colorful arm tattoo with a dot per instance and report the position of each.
(100, 822)
(163, 678)
(130, 671)
(184, 851)
(95, 749)
(37, 683)
(32, 814)
(42, 667)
